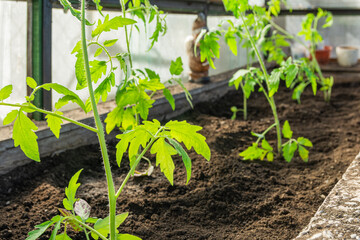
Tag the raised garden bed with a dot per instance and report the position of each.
(227, 198)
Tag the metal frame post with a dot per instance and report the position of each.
(39, 50)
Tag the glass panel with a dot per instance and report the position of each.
(308, 4)
(13, 18)
(66, 33)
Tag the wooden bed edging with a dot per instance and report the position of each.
(73, 136)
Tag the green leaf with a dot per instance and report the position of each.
(304, 153)
(129, 120)
(112, 24)
(265, 145)
(128, 96)
(54, 123)
(40, 229)
(312, 78)
(91, 220)
(160, 29)
(103, 89)
(140, 138)
(76, 13)
(231, 41)
(103, 225)
(151, 74)
(10, 117)
(62, 236)
(31, 82)
(23, 135)
(236, 6)
(238, 77)
(114, 118)
(185, 157)
(199, 37)
(5, 92)
(70, 191)
(270, 156)
(176, 68)
(127, 237)
(289, 150)
(163, 152)
(136, 138)
(305, 142)
(153, 84)
(291, 73)
(98, 6)
(143, 107)
(56, 228)
(80, 70)
(169, 97)
(77, 47)
(298, 91)
(329, 21)
(68, 94)
(187, 133)
(210, 48)
(286, 131)
(122, 60)
(249, 86)
(97, 69)
(253, 152)
(98, 52)
(274, 81)
(123, 145)
(281, 42)
(109, 43)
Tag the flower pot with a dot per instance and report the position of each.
(347, 56)
(323, 55)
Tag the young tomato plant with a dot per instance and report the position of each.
(309, 29)
(134, 100)
(268, 83)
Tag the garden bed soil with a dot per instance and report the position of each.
(227, 198)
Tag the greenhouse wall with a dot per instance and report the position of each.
(13, 18)
(309, 4)
(66, 32)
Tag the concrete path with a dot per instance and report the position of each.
(339, 216)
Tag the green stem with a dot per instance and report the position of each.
(271, 100)
(287, 34)
(100, 133)
(52, 114)
(152, 94)
(89, 228)
(133, 167)
(244, 101)
(266, 131)
(86, 234)
(105, 50)
(122, 3)
(242, 85)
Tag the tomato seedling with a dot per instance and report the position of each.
(268, 84)
(134, 100)
(309, 29)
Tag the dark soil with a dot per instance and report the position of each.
(227, 198)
